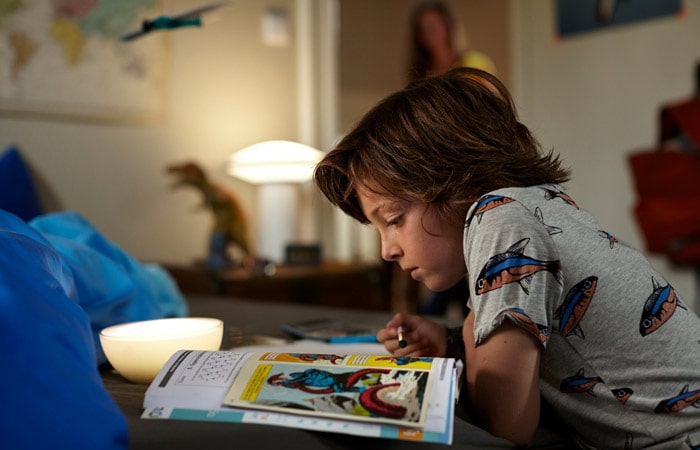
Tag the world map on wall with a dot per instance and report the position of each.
(67, 55)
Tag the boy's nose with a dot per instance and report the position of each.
(390, 251)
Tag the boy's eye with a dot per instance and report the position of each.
(394, 221)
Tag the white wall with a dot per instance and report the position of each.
(595, 97)
(227, 91)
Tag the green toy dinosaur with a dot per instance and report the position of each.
(230, 224)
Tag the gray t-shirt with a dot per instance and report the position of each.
(621, 348)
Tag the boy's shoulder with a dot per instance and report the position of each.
(537, 192)
(530, 197)
(544, 196)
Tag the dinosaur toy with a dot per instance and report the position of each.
(230, 225)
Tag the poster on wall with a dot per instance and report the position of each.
(583, 16)
(65, 60)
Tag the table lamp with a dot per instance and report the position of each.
(276, 167)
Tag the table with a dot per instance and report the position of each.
(347, 285)
(266, 318)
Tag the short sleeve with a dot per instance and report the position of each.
(514, 268)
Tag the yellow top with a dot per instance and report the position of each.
(478, 60)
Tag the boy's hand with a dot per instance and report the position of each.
(423, 337)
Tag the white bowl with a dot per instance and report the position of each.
(138, 350)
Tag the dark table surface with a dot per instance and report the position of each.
(267, 319)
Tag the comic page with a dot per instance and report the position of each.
(384, 389)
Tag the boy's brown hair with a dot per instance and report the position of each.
(443, 141)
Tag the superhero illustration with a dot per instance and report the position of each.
(386, 393)
(404, 360)
(314, 357)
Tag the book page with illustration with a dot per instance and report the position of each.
(370, 388)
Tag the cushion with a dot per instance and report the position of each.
(17, 193)
(112, 286)
(53, 396)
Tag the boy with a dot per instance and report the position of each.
(560, 309)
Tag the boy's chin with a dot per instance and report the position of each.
(439, 285)
(436, 286)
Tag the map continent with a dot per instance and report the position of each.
(67, 57)
(23, 48)
(70, 24)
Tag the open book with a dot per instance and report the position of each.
(380, 395)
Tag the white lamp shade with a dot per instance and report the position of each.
(274, 162)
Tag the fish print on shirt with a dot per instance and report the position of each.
(622, 394)
(551, 229)
(487, 203)
(659, 308)
(540, 331)
(612, 239)
(679, 402)
(575, 306)
(551, 194)
(579, 384)
(513, 266)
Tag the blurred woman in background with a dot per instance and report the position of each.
(436, 46)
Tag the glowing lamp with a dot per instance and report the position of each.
(138, 350)
(276, 167)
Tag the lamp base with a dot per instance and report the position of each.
(277, 219)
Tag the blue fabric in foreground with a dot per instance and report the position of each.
(112, 287)
(53, 396)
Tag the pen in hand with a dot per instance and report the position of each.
(400, 336)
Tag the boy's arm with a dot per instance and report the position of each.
(502, 381)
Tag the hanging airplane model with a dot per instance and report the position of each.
(191, 18)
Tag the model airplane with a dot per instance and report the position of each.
(191, 18)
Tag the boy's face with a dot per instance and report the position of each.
(411, 234)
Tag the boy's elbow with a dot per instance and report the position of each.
(520, 433)
(517, 425)
(521, 438)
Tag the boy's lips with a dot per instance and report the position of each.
(412, 271)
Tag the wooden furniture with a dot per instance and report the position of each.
(356, 286)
